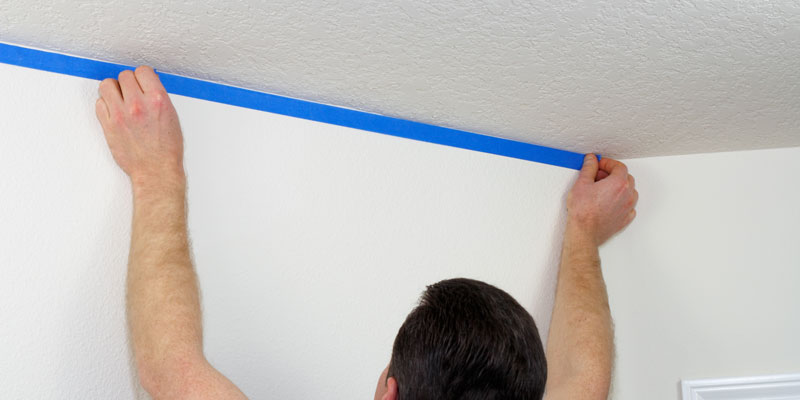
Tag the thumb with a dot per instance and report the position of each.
(589, 170)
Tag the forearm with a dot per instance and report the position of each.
(162, 297)
(144, 135)
(580, 343)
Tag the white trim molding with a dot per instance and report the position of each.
(769, 387)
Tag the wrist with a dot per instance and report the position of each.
(580, 249)
(580, 232)
(164, 185)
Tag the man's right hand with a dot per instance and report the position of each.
(602, 201)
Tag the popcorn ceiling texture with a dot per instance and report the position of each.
(629, 79)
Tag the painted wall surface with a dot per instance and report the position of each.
(627, 78)
(312, 242)
(706, 282)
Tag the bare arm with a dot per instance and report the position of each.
(142, 130)
(580, 345)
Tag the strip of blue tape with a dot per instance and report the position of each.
(99, 70)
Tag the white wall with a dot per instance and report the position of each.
(312, 242)
(706, 282)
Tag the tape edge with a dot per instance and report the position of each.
(535, 153)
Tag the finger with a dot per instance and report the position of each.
(101, 109)
(111, 93)
(631, 217)
(635, 198)
(130, 87)
(631, 182)
(613, 167)
(148, 79)
(589, 169)
(601, 175)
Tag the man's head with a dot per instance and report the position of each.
(465, 340)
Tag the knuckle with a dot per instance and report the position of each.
(135, 109)
(159, 99)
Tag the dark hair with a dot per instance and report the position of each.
(468, 340)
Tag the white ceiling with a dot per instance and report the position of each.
(626, 78)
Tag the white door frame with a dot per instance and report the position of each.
(769, 387)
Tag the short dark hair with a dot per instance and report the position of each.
(468, 340)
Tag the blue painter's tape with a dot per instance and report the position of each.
(99, 70)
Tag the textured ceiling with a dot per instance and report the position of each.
(626, 78)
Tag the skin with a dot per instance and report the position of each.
(163, 305)
(142, 130)
(580, 346)
(387, 387)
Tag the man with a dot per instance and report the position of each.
(465, 340)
